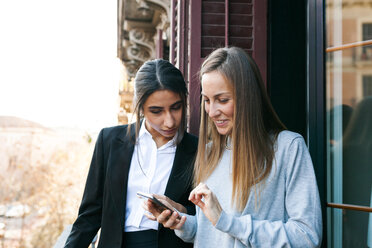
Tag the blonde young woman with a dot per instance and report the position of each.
(255, 183)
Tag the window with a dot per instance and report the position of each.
(367, 85)
(348, 123)
(367, 35)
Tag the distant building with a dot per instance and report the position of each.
(41, 170)
(25, 143)
(20, 144)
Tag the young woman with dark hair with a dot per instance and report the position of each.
(254, 180)
(155, 155)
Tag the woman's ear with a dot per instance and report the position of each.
(141, 113)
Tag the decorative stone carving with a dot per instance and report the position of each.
(160, 5)
(138, 11)
(138, 53)
(140, 48)
(164, 22)
(132, 67)
(138, 43)
(143, 38)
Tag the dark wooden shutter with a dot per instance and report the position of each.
(179, 32)
(212, 26)
(220, 23)
(173, 33)
(241, 23)
(195, 60)
(226, 23)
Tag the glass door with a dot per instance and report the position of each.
(349, 122)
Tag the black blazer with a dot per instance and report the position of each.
(103, 204)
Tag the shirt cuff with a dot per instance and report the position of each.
(188, 230)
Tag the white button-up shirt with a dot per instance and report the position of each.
(156, 166)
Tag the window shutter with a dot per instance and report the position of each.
(220, 23)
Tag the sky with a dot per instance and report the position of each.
(58, 64)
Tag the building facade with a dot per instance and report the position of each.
(316, 61)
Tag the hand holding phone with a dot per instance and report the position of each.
(156, 201)
(156, 211)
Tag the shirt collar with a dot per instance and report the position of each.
(143, 132)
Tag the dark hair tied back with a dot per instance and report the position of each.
(157, 75)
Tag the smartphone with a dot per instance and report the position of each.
(157, 202)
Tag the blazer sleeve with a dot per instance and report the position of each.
(304, 225)
(88, 221)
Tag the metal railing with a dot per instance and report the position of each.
(349, 45)
(349, 207)
(64, 235)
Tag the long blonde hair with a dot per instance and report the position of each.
(255, 128)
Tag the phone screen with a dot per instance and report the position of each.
(156, 201)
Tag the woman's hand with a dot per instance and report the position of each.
(210, 205)
(170, 203)
(165, 217)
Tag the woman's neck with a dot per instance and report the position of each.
(159, 139)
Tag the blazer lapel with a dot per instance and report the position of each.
(118, 169)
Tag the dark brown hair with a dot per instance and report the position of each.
(157, 75)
